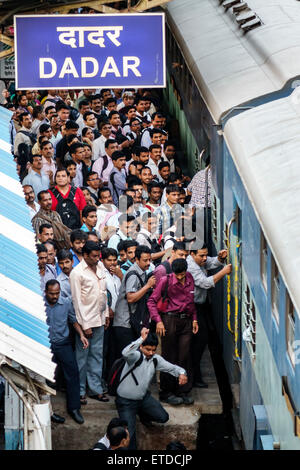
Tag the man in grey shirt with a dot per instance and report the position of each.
(117, 178)
(132, 290)
(133, 396)
(198, 264)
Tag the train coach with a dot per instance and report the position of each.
(233, 72)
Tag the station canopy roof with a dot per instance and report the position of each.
(24, 335)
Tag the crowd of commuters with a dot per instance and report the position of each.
(123, 263)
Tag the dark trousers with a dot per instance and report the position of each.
(123, 337)
(176, 348)
(64, 356)
(148, 408)
(200, 340)
(109, 354)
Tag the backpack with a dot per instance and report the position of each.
(105, 164)
(116, 371)
(167, 267)
(67, 209)
(141, 317)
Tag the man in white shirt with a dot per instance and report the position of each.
(104, 165)
(88, 288)
(33, 206)
(84, 106)
(106, 210)
(154, 159)
(98, 145)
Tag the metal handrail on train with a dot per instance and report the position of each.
(228, 277)
(236, 302)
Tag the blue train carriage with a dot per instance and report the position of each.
(225, 58)
(262, 188)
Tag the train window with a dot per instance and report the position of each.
(263, 260)
(290, 328)
(275, 287)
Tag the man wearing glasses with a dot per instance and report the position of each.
(33, 206)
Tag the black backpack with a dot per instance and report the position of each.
(116, 372)
(167, 266)
(67, 209)
(141, 317)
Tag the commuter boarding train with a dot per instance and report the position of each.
(233, 74)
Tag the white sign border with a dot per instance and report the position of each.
(162, 15)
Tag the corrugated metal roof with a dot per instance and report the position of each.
(232, 68)
(264, 143)
(24, 333)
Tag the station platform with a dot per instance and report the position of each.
(182, 424)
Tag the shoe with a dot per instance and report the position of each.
(200, 384)
(76, 415)
(100, 397)
(145, 422)
(173, 400)
(187, 400)
(57, 419)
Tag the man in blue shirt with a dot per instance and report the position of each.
(59, 311)
(117, 178)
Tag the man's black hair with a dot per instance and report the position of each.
(87, 114)
(74, 147)
(107, 252)
(78, 235)
(162, 165)
(116, 435)
(83, 103)
(51, 242)
(116, 422)
(64, 254)
(41, 228)
(129, 244)
(151, 340)
(50, 283)
(179, 246)
(172, 188)
(173, 177)
(51, 106)
(139, 150)
(87, 209)
(132, 180)
(109, 141)
(69, 163)
(179, 266)
(90, 246)
(71, 125)
(154, 146)
(154, 131)
(112, 113)
(102, 190)
(36, 111)
(61, 105)
(40, 194)
(117, 154)
(46, 142)
(142, 249)
(40, 248)
(121, 245)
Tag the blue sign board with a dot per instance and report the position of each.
(90, 51)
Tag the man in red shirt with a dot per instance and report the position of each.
(71, 211)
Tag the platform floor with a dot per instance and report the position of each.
(182, 424)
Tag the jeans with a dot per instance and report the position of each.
(148, 408)
(64, 356)
(90, 362)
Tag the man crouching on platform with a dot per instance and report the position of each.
(133, 396)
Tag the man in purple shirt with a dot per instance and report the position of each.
(178, 251)
(176, 327)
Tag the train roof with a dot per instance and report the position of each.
(264, 143)
(232, 67)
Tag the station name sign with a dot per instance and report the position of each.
(90, 51)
